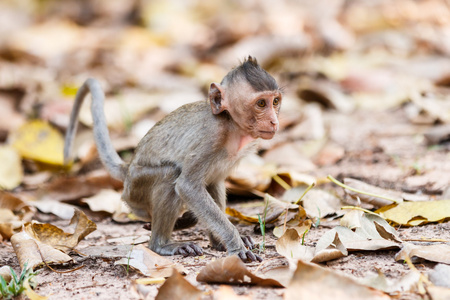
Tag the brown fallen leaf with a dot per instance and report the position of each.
(106, 200)
(252, 173)
(176, 287)
(63, 210)
(437, 253)
(231, 270)
(319, 203)
(56, 237)
(313, 282)
(148, 262)
(28, 250)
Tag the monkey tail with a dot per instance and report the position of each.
(108, 155)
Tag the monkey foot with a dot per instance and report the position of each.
(249, 256)
(248, 242)
(189, 249)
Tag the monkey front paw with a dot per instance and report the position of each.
(248, 242)
(249, 256)
(189, 249)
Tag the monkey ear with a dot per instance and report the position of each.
(216, 98)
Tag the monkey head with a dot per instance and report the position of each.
(251, 97)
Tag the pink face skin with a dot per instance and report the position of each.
(255, 113)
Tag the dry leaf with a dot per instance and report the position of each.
(106, 200)
(74, 188)
(374, 233)
(319, 203)
(231, 270)
(56, 237)
(13, 214)
(438, 292)
(60, 209)
(407, 283)
(11, 173)
(313, 282)
(437, 253)
(39, 141)
(28, 250)
(176, 287)
(252, 173)
(375, 201)
(5, 272)
(148, 262)
(226, 292)
(129, 240)
(290, 246)
(416, 213)
(440, 275)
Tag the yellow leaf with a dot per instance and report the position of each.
(416, 213)
(32, 294)
(234, 213)
(39, 141)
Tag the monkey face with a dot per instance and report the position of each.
(266, 106)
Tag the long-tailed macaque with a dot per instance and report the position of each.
(182, 162)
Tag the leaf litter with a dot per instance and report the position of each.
(386, 64)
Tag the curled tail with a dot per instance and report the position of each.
(108, 155)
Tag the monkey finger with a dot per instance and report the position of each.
(181, 251)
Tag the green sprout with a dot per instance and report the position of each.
(16, 286)
(262, 225)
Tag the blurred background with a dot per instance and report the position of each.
(342, 64)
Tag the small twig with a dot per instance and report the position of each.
(281, 182)
(359, 191)
(304, 193)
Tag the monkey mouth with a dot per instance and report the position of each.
(266, 134)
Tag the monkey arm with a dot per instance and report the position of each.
(197, 199)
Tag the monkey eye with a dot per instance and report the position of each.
(276, 101)
(261, 103)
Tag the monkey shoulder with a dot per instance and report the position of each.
(189, 131)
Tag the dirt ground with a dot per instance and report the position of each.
(386, 156)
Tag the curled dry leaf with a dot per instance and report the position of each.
(231, 270)
(14, 212)
(416, 213)
(176, 287)
(313, 282)
(437, 253)
(374, 233)
(31, 251)
(56, 237)
(149, 263)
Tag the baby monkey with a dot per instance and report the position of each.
(182, 162)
